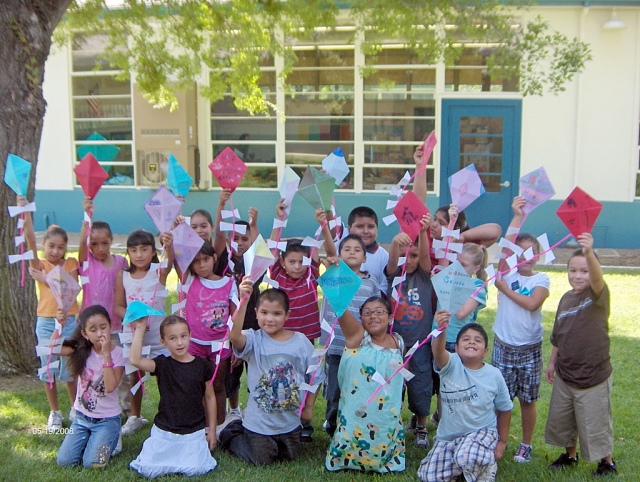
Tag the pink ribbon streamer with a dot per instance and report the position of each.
(313, 249)
(22, 252)
(226, 336)
(275, 249)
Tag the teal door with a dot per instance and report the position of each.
(485, 133)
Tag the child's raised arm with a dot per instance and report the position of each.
(398, 248)
(30, 236)
(254, 232)
(595, 270)
(87, 206)
(420, 179)
(135, 353)
(220, 239)
(440, 354)
(111, 374)
(236, 337)
(424, 257)
(167, 241)
(352, 330)
(329, 245)
(280, 212)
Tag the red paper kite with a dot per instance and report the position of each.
(228, 169)
(91, 175)
(579, 212)
(409, 212)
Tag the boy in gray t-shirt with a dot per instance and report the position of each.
(278, 360)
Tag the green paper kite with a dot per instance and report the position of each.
(316, 188)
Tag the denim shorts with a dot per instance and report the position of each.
(44, 330)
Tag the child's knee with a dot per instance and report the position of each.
(98, 459)
(64, 460)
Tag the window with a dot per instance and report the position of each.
(102, 120)
(469, 74)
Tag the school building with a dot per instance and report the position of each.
(587, 136)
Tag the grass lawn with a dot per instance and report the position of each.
(28, 455)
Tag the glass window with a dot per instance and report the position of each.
(469, 74)
(481, 144)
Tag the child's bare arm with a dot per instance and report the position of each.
(220, 238)
(135, 353)
(212, 417)
(280, 213)
(467, 308)
(420, 179)
(236, 337)
(550, 373)
(440, 354)
(352, 330)
(87, 206)
(504, 420)
(329, 245)
(112, 375)
(254, 232)
(307, 412)
(30, 235)
(595, 270)
(120, 300)
(398, 247)
(167, 241)
(424, 257)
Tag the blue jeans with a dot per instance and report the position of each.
(332, 390)
(44, 330)
(90, 441)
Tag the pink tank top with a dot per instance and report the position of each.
(102, 286)
(208, 308)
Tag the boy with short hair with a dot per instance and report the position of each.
(353, 253)
(580, 367)
(363, 221)
(278, 360)
(470, 438)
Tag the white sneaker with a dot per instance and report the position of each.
(236, 412)
(118, 448)
(133, 424)
(55, 421)
(72, 415)
(231, 417)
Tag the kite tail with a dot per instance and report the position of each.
(275, 249)
(233, 235)
(56, 335)
(399, 290)
(315, 292)
(226, 336)
(22, 251)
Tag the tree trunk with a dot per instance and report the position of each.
(26, 28)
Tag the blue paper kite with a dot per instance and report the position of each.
(102, 152)
(453, 287)
(178, 180)
(17, 173)
(336, 166)
(137, 309)
(339, 285)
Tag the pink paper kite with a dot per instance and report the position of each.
(409, 212)
(579, 212)
(427, 148)
(186, 245)
(535, 188)
(64, 288)
(91, 175)
(228, 169)
(163, 207)
(466, 186)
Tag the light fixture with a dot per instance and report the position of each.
(614, 23)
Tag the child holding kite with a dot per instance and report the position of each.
(97, 366)
(517, 345)
(413, 318)
(369, 436)
(278, 360)
(144, 281)
(580, 367)
(178, 443)
(54, 245)
(474, 427)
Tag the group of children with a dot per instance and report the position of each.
(273, 334)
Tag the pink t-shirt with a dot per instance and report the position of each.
(100, 290)
(207, 307)
(91, 398)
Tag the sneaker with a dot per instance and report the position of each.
(606, 468)
(236, 412)
(133, 424)
(55, 421)
(231, 417)
(422, 438)
(118, 448)
(413, 423)
(488, 474)
(435, 419)
(564, 461)
(72, 415)
(524, 454)
(328, 429)
(307, 433)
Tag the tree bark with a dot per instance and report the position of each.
(26, 29)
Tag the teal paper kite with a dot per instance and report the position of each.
(316, 188)
(178, 180)
(453, 287)
(17, 173)
(336, 166)
(102, 152)
(137, 309)
(339, 284)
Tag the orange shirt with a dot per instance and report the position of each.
(47, 306)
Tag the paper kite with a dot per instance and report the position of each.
(186, 245)
(289, 186)
(453, 287)
(409, 212)
(178, 180)
(17, 173)
(137, 309)
(91, 175)
(336, 166)
(163, 207)
(102, 152)
(64, 288)
(228, 169)
(535, 188)
(466, 186)
(257, 259)
(339, 285)
(579, 212)
(316, 188)
(428, 146)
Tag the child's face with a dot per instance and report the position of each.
(376, 318)
(203, 265)
(176, 338)
(467, 263)
(578, 271)
(54, 247)
(141, 255)
(471, 347)
(526, 269)
(271, 316)
(244, 242)
(435, 229)
(352, 254)
(100, 244)
(366, 228)
(292, 264)
(413, 260)
(201, 225)
(96, 330)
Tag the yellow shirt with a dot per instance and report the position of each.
(47, 305)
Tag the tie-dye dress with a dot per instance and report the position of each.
(369, 437)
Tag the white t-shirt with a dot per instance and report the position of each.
(515, 325)
(91, 398)
(375, 264)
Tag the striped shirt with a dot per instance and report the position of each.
(303, 300)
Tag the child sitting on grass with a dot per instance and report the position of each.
(470, 438)
(580, 367)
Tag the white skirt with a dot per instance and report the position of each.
(166, 453)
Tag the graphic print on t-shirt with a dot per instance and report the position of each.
(214, 313)
(90, 390)
(457, 398)
(277, 390)
(410, 310)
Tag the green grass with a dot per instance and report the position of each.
(27, 455)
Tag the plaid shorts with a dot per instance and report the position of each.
(469, 456)
(521, 368)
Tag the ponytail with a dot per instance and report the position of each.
(479, 257)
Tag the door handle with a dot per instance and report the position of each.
(505, 184)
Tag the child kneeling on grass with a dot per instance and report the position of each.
(470, 438)
(580, 367)
(278, 360)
